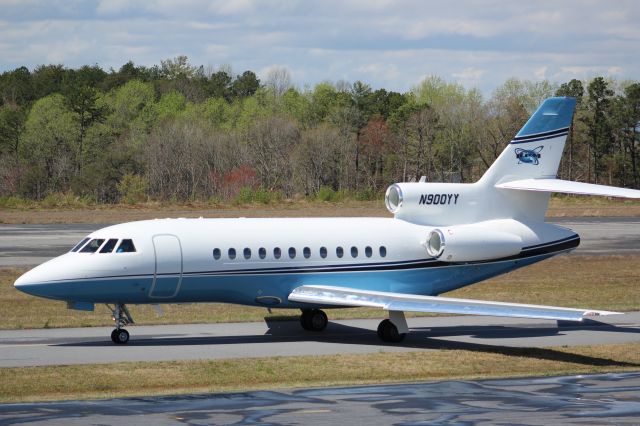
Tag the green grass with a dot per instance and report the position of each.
(66, 208)
(454, 362)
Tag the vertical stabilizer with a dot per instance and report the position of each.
(534, 153)
(536, 150)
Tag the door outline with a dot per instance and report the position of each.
(155, 269)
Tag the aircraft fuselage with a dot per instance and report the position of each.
(260, 261)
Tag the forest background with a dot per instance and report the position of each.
(182, 133)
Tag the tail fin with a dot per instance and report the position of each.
(536, 150)
(516, 186)
(525, 172)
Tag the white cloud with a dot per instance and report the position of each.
(217, 50)
(233, 7)
(615, 70)
(390, 44)
(380, 71)
(469, 77)
(108, 7)
(540, 73)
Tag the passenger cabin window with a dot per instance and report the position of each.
(306, 252)
(93, 246)
(247, 253)
(323, 252)
(292, 252)
(126, 246)
(383, 251)
(232, 253)
(109, 246)
(339, 252)
(354, 251)
(216, 253)
(80, 244)
(367, 251)
(262, 252)
(277, 252)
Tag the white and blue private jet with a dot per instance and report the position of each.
(443, 236)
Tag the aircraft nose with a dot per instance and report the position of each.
(25, 281)
(41, 281)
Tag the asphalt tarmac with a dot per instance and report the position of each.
(599, 399)
(30, 245)
(21, 348)
(568, 400)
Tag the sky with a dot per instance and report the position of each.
(387, 44)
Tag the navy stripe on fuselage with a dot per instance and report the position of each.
(529, 251)
(526, 252)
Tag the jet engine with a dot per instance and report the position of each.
(469, 243)
(430, 203)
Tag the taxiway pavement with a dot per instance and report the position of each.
(568, 400)
(29, 245)
(286, 338)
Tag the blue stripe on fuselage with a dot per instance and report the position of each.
(243, 289)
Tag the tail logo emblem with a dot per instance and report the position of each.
(529, 156)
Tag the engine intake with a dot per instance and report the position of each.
(469, 243)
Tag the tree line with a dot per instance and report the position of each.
(180, 132)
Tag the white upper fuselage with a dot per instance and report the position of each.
(192, 259)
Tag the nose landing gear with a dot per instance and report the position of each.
(121, 318)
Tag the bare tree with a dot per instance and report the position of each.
(278, 80)
(270, 142)
(317, 159)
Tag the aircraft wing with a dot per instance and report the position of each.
(569, 187)
(342, 296)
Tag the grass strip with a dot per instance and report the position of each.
(455, 361)
(597, 282)
(39, 213)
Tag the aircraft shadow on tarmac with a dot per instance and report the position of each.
(419, 338)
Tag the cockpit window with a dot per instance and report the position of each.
(92, 246)
(80, 244)
(108, 247)
(126, 246)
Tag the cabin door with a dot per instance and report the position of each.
(168, 272)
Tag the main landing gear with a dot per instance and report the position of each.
(392, 330)
(388, 332)
(121, 318)
(313, 319)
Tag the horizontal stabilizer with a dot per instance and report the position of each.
(342, 296)
(569, 187)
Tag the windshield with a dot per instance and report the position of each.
(80, 244)
(92, 246)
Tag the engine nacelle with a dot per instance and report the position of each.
(468, 243)
(431, 203)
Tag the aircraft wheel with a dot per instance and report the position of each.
(313, 320)
(387, 332)
(303, 319)
(120, 336)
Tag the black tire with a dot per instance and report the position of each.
(313, 320)
(317, 320)
(388, 332)
(120, 337)
(304, 319)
